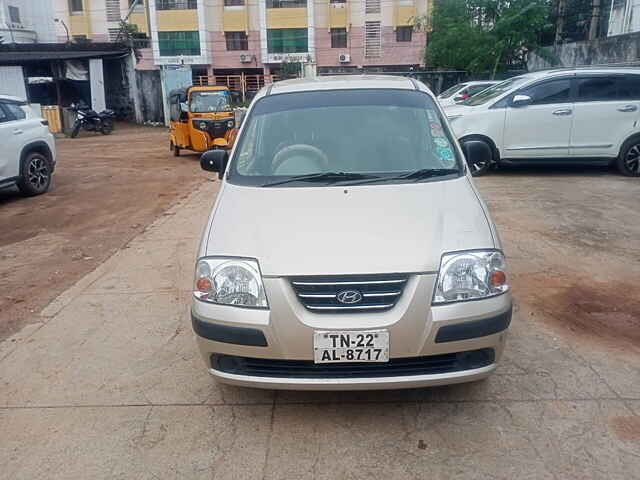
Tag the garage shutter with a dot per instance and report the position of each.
(12, 82)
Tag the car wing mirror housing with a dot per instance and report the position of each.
(215, 161)
(521, 101)
(477, 151)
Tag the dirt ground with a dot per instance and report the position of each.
(105, 191)
(572, 235)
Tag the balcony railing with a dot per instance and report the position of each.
(176, 4)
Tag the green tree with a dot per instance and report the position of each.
(486, 35)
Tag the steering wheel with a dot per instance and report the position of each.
(313, 157)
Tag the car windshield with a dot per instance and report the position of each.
(210, 102)
(342, 137)
(495, 91)
(450, 91)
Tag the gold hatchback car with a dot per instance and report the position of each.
(348, 248)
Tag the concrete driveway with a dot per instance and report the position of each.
(108, 383)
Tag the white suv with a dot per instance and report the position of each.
(28, 148)
(579, 115)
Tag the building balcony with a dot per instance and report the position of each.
(404, 13)
(338, 14)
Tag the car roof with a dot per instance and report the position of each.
(9, 98)
(482, 82)
(586, 69)
(344, 82)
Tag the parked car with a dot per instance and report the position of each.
(29, 155)
(462, 91)
(586, 116)
(348, 248)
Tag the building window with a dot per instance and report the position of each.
(75, 6)
(14, 14)
(286, 3)
(372, 6)
(236, 40)
(337, 1)
(179, 43)
(287, 40)
(372, 39)
(233, 3)
(176, 4)
(403, 34)
(338, 38)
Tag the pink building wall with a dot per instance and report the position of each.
(393, 52)
(223, 58)
(146, 61)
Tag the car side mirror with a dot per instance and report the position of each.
(215, 161)
(477, 152)
(521, 101)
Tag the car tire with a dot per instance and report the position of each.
(478, 170)
(35, 175)
(628, 162)
(176, 151)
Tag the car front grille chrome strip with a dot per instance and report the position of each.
(359, 307)
(349, 293)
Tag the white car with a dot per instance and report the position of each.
(584, 115)
(462, 91)
(28, 148)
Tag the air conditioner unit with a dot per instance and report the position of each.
(344, 58)
(244, 58)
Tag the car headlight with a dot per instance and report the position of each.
(470, 276)
(230, 281)
(230, 124)
(203, 125)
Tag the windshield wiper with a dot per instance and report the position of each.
(323, 177)
(417, 175)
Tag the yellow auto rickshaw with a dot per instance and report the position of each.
(202, 119)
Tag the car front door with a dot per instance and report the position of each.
(606, 112)
(10, 138)
(542, 128)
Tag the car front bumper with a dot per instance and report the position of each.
(418, 331)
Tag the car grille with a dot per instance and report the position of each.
(217, 129)
(377, 292)
(396, 367)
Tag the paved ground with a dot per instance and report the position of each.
(105, 192)
(109, 385)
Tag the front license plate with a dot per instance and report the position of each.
(352, 346)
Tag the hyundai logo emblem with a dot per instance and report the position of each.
(349, 297)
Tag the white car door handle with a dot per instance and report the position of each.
(563, 111)
(17, 131)
(628, 108)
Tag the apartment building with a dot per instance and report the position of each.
(218, 37)
(99, 20)
(26, 21)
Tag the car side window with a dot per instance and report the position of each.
(3, 115)
(629, 87)
(15, 110)
(598, 89)
(555, 91)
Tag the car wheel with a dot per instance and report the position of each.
(629, 159)
(176, 151)
(35, 175)
(478, 168)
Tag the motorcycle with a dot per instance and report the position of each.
(92, 121)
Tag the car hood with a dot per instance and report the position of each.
(347, 230)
